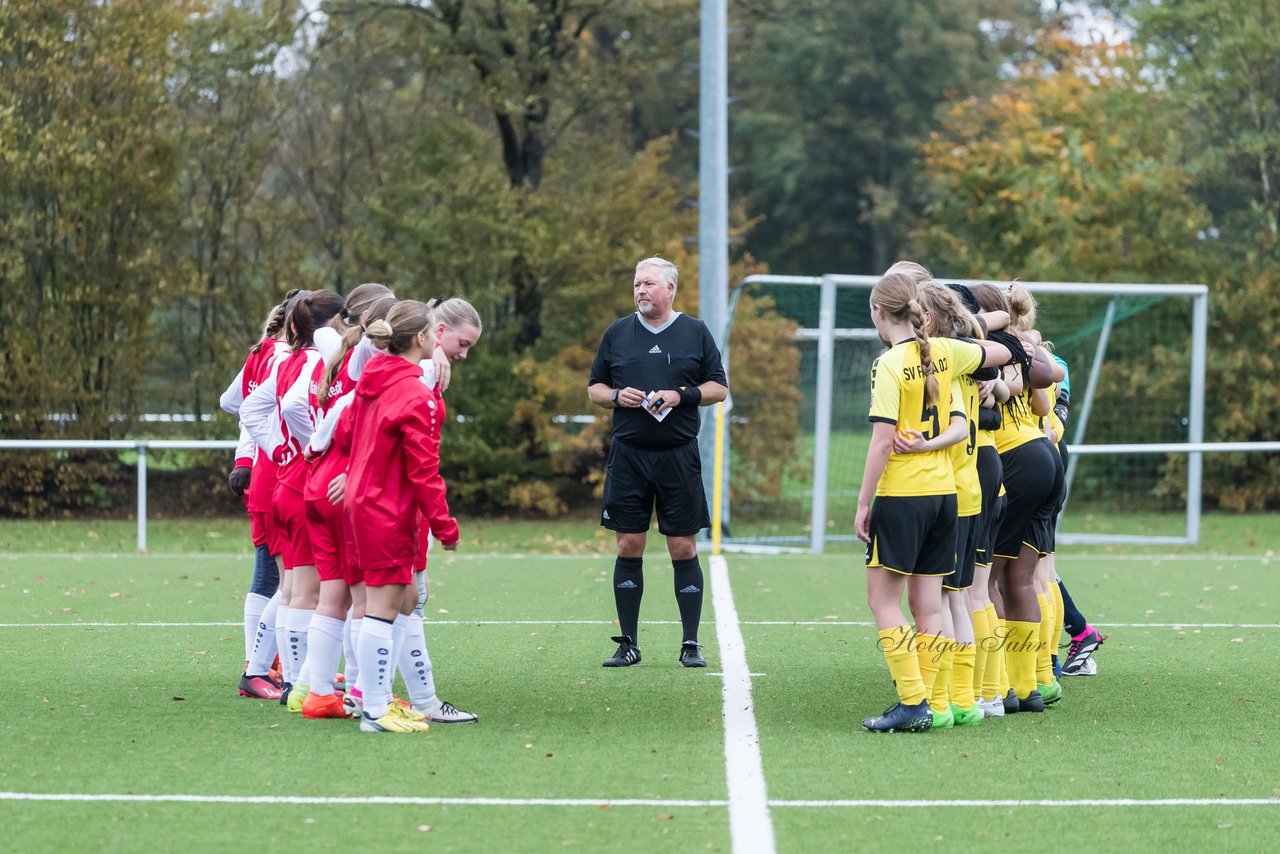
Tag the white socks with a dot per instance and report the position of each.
(298, 623)
(254, 605)
(352, 672)
(415, 663)
(374, 651)
(282, 643)
(324, 647)
(265, 646)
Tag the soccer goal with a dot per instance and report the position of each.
(1136, 355)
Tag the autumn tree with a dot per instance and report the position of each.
(832, 102)
(86, 178)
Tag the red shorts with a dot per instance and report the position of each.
(385, 577)
(328, 540)
(265, 531)
(291, 517)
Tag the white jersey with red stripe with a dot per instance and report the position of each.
(257, 366)
(277, 414)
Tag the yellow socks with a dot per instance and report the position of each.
(899, 647)
(1020, 653)
(995, 681)
(981, 633)
(962, 675)
(928, 653)
(945, 654)
(1055, 595)
(1044, 661)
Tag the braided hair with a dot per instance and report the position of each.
(898, 296)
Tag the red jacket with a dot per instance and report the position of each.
(392, 434)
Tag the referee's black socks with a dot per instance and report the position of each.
(628, 590)
(689, 595)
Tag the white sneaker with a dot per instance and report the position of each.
(440, 712)
(992, 708)
(1089, 668)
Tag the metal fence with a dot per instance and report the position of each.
(139, 445)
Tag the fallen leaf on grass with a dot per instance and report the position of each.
(425, 828)
(1237, 640)
(665, 816)
(177, 699)
(201, 652)
(116, 596)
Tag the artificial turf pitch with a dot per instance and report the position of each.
(1186, 706)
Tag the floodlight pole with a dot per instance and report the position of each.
(713, 197)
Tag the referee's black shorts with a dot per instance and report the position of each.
(640, 480)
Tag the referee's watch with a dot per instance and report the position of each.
(614, 396)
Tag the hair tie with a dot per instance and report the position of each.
(343, 313)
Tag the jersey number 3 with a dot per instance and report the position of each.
(927, 414)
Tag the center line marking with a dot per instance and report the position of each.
(750, 825)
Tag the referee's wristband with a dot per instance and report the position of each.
(691, 396)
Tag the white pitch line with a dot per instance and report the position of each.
(397, 800)
(1092, 802)
(750, 825)
(391, 800)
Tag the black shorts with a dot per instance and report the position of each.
(991, 527)
(640, 479)
(913, 534)
(1033, 485)
(968, 529)
(1062, 493)
(990, 475)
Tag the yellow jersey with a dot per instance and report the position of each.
(897, 397)
(964, 459)
(1052, 421)
(1019, 424)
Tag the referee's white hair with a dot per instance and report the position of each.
(669, 271)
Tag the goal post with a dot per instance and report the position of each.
(1137, 354)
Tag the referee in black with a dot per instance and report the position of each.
(656, 364)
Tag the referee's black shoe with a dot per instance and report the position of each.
(690, 655)
(628, 654)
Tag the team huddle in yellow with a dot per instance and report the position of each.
(966, 467)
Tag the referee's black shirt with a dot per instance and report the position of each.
(682, 355)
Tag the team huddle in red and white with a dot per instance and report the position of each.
(341, 406)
